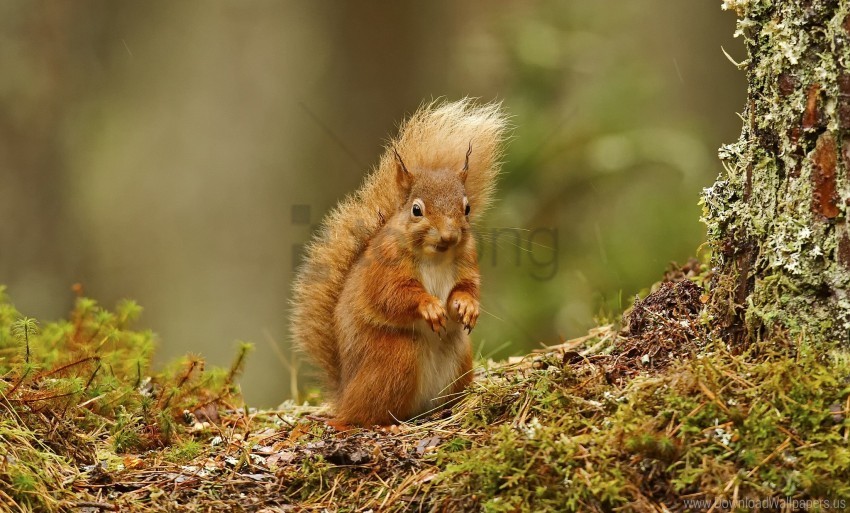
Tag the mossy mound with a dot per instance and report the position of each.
(654, 416)
(78, 396)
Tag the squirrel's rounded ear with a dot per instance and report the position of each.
(402, 175)
(465, 171)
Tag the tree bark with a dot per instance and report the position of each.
(777, 216)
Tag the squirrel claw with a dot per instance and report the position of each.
(434, 314)
(465, 310)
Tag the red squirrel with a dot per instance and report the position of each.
(389, 289)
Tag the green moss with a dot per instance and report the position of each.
(763, 426)
(80, 391)
(183, 452)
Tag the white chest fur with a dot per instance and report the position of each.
(440, 354)
(438, 277)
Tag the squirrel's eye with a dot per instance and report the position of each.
(417, 210)
(465, 206)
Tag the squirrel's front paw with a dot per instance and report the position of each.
(464, 309)
(433, 312)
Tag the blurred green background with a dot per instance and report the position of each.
(179, 153)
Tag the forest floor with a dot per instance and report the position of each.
(653, 413)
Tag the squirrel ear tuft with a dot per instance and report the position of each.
(465, 171)
(403, 178)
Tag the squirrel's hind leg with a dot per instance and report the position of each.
(382, 389)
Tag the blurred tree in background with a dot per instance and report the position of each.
(179, 153)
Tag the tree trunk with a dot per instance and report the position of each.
(777, 216)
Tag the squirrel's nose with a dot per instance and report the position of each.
(449, 238)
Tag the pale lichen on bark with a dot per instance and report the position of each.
(777, 216)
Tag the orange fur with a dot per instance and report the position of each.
(385, 297)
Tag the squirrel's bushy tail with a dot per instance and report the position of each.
(435, 136)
